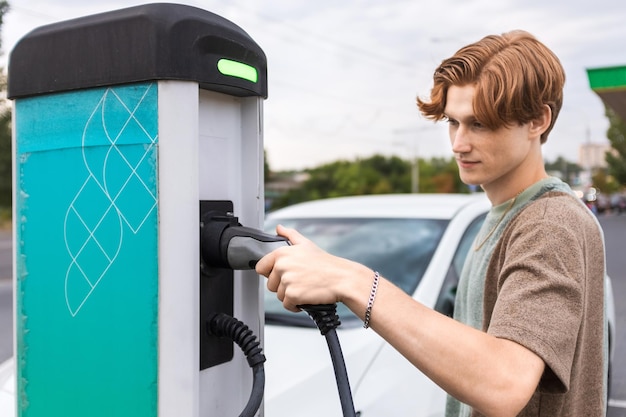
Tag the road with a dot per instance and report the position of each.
(615, 237)
(614, 227)
(6, 296)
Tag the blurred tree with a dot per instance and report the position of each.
(569, 170)
(604, 183)
(5, 129)
(267, 172)
(616, 160)
(4, 8)
(440, 175)
(374, 175)
(5, 160)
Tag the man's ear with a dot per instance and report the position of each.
(541, 123)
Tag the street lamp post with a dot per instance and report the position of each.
(415, 177)
(415, 173)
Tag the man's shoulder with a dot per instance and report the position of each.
(559, 209)
(557, 203)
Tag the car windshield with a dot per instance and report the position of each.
(400, 249)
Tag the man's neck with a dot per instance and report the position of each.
(505, 190)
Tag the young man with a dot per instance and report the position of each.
(529, 333)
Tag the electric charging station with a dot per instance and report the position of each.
(128, 127)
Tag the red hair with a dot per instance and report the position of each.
(515, 76)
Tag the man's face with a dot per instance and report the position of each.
(486, 157)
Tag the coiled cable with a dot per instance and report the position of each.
(223, 325)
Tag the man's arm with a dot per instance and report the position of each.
(495, 376)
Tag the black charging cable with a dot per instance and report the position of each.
(223, 325)
(225, 243)
(327, 320)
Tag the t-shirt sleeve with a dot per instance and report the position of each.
(540, 290)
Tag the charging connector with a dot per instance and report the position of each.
(225, 243)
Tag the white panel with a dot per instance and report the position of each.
(220, 142)
(230, 168)
(178, 250)
(210, 148)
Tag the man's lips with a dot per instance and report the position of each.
(464, 163)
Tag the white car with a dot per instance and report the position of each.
(7, 388)
(420, 242)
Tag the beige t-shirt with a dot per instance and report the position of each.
(542, 277)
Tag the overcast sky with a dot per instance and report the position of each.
(344, 74)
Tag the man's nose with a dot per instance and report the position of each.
(460, 140)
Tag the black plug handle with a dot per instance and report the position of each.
(225, 243)
(246, 246)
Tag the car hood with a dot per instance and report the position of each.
(300, 379)
(7, 387)
(299, 372)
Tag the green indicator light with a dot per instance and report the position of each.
(237, 69)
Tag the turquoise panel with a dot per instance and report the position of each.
(87, 266)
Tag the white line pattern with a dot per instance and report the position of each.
(113, 194)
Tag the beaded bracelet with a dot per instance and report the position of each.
(370, 302)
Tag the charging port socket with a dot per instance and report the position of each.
(216, 296)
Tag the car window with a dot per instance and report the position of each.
(447, 295)
(466, 243)
(400, 249)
